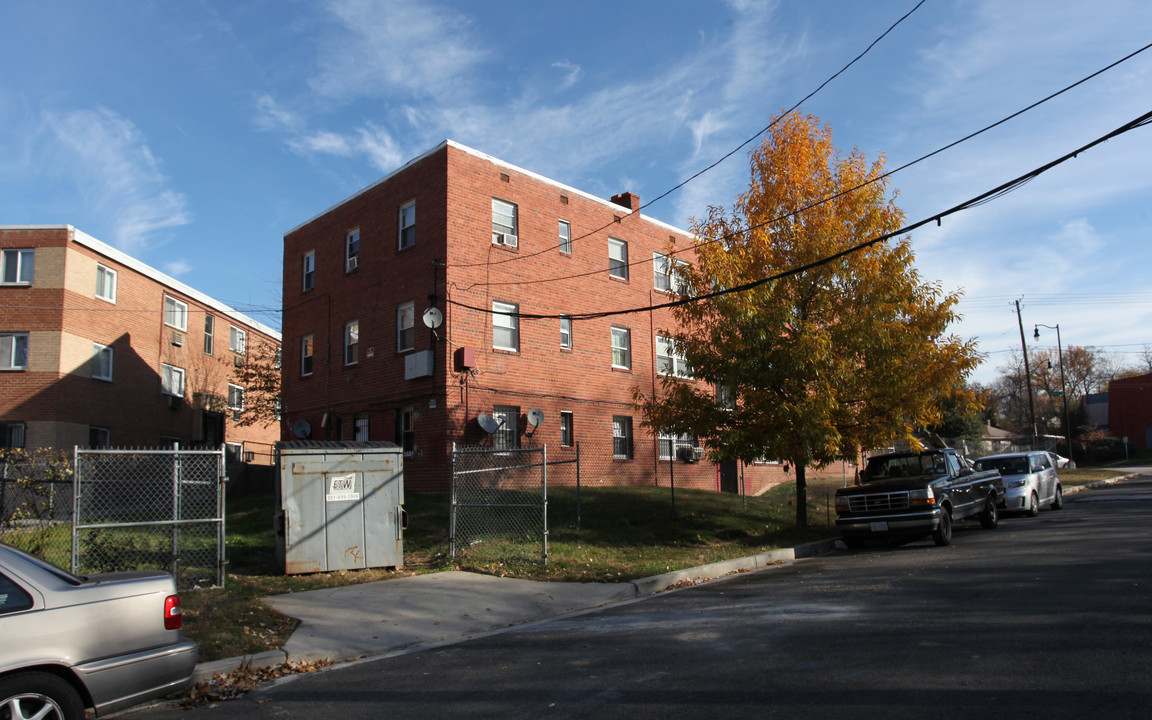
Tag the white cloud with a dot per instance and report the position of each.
(178, 267)
(573, 73)
(117, 175)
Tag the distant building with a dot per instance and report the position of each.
(1130, 410)
(436, 299)
(98, 349)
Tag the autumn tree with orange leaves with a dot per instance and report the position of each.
(817, 363)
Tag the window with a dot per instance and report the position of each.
(308, 265)
(566, 333)
(209, 330)
(503, 223)
(666, 271)
(406, 430)
(408, 224)
(234, 452)
(105, 283)
(101, 362)
(676, 446)
(352, 250)
(566, 429)
(12, 435)
(16, 267)
(13, 351)
(172, 380)
(237, 339)
(668, 360)
(506, 436)
(621, 348)
(306, 355)
(13, 598)
(361, 434)
(406, 326)
(505, 326)
(175, 313)
(99, 437)
(621, 437)
(351, 342)
(618, 258)
(235, 397)
(565, 237)
(726, 396)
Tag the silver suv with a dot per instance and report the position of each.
(104, 642)
(1030, 480)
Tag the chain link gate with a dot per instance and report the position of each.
(150, 509)
(499, 503)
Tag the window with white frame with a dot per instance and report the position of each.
(726, 396)
(352, 250)
(566, 333)
(505, 326)
(237, 339)
(17, 266)
(352, 342)
(172, 380)
(567, 429)
(99, 437)
(667, 275)
(504, 226)
(306, 351)
(407, 224)
(406, 326)
(507, 435)
(669, 361)
(621, 437)
(105, 283)
(12, 434)
(234, 452)
(308, 269)
(235, 397)
(209, 333)
(673, 446)
(13, 351)
(176, 313)
(621, 348)
(617, 258)
(565, 237)
(101, 362)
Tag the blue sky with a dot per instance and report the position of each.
(193, 135)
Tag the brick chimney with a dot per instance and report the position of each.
(628, 200)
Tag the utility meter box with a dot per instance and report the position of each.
(340, 505)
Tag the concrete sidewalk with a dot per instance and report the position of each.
(378, 618)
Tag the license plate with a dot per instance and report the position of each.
(879, 527)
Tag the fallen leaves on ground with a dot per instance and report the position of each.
(244, 679)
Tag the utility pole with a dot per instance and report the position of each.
(1027, 376)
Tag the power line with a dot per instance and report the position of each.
(994, 193)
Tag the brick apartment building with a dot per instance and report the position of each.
(1130, 410)
(100, 350)
(501, 254)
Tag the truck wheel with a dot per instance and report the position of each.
(942, 535)
(1033, 505)
(989, 519)
(1058, 499)
(39, 695)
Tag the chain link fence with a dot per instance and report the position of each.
(36, 502)
(499, 504)
(150, 509)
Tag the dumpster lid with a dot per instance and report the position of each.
(336, 445)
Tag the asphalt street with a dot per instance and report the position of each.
(1044, 617)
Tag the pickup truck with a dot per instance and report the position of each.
(904, 496)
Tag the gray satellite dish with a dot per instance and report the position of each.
(488, 423)
(433, 318)
(302, 429)
(535, 416)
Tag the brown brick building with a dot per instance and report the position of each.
(98, 349)
(502, 254)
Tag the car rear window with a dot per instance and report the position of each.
(13, 598)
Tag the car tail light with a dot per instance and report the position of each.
(173, 614)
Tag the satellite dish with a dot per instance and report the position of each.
(535, 416)
(302, 429)
(488, 423)
(433, 318)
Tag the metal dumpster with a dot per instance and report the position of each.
(340, 505)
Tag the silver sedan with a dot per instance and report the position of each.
(68, 643)
(1030, 480)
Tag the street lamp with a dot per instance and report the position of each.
(1063, 389)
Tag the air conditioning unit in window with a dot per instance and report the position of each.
(353, 263)
(177, 338)
(505, 239)
(238, 361)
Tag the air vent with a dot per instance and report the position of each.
(177, 338)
